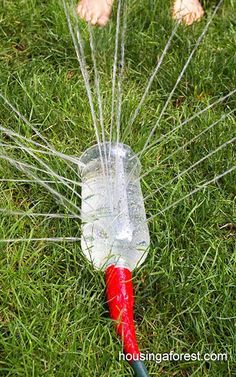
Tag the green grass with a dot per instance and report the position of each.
(53, 316)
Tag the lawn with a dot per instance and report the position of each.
(53, 314)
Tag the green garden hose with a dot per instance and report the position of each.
(139, 369)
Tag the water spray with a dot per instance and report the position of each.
(115, 235)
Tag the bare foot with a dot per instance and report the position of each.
(96, 12)
(187, 11)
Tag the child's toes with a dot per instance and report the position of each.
(103, 20)
(87, 16)
(82, 12)
(94, 20)
(187, 11)
(79, 7)
(193, 17)
(189, 19)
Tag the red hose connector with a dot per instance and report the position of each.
(120, 297)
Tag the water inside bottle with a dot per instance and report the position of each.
(114, 228)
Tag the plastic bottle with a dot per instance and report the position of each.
(115, 234)
(114, 228)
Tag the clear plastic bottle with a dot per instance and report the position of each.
(114, 227)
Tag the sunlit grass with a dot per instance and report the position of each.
(54, 320)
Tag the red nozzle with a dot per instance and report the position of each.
(120, 297)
